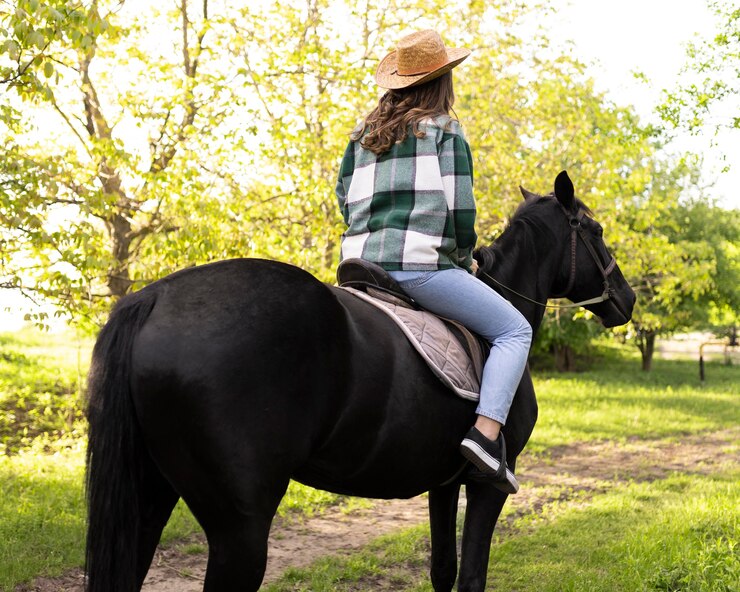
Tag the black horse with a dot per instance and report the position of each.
(220, 383)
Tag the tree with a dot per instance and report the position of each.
(556, 122)
(102, 170)
(167, 137)
(692, 280)
(684, 259)
(709, 90)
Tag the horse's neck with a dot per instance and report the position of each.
(527, 262)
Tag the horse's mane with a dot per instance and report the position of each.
(534, 213)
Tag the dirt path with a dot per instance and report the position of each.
(565, 472)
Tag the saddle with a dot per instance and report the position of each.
(455, 354)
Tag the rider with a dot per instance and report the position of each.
(405, 190)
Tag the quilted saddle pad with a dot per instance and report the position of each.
(439, 341)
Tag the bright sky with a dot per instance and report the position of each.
(621, 38)
(647, 36)
(631, 35)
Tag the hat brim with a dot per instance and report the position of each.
(387, 75)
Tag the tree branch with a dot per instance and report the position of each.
(22, 70)
(96, 125)
(190, 65)
(63, 115)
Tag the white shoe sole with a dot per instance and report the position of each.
(476, 454)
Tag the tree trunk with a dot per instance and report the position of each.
(565, 359)
(647, 348)
(119, 280)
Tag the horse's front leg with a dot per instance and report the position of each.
(443, 522)
(485, 503)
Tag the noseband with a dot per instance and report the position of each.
(576, 230)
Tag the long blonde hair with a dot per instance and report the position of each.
(398, 109)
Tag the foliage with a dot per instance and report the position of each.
(710, 81)
(133, 159)
(166, 137)
(684, 268)
(181, 135)
(557, 121)
(685, 274)
(29, 29)
(704, 101)
(696, 269)
(566, 333)
(711, 235)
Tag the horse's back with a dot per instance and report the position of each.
(253, 362)
(236, 324)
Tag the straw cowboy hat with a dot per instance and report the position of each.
(418, 58)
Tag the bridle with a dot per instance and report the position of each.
(576, 230)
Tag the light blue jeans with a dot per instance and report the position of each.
(460, 296)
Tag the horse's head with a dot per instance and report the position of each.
(588, 273)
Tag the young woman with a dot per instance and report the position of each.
(405, 190)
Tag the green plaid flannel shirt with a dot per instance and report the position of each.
(411, 208)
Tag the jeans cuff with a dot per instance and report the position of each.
(491, 415)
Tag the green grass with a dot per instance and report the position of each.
(615, 400)
(41, 515)
(679, 534)
(40, 381)
(41, 496)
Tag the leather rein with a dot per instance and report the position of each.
(576, 231)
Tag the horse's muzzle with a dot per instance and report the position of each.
(620, 306)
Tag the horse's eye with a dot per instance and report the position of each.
(599, 231)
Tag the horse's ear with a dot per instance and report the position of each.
(564, 190)
(527, 194)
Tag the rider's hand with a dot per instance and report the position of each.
(474, 267)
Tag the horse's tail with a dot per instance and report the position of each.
(116, 454)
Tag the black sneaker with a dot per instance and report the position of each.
(490, 457)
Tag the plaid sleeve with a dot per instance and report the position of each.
(456, 166)
(346, 170)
